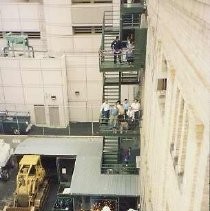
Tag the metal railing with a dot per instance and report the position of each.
(108, 56)
(111, 23)
(119, 169)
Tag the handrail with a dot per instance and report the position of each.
(125, 168)
(102, 40)
(107, 55)
(111, 21)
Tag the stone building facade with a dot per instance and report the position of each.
(175, 132)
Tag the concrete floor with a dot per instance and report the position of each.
(7, 189)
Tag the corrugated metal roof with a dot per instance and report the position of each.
(87, 178)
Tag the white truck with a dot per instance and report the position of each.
(5, 159)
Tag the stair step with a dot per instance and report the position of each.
(111, 93)
(111, 88)
(111, 146)
(111, 141)
(110, 162)
(113, 96)
(111, 159)
(110, 155)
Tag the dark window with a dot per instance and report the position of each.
(87, 29)
(31, 35)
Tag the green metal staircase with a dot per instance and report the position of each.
(111, 87)
(110, 29)
(112, 93)
(110, 150)
(130, 77)
(111, 159)
(126, 22)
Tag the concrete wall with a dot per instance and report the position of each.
(175, 134)
(28, 82)
(73, 56)
(84, 77)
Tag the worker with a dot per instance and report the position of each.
(136, 108)
(113, 117)
(105, 109)
(116, 46)
(120, 108)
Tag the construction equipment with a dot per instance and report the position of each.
(31, 185)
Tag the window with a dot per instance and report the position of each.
(161, 91)
(31, 35)
(179, 136)
(87, 29)
(205, 197)
(162, 84)
(90, 1)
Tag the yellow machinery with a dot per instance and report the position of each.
(31, 185)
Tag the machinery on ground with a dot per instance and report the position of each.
(31, 185)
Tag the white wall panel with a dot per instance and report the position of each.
(93, 111)
(29, 11)
(30, 26)
(58, 24)
(9, 11)
(34, 95)
(75, 60)
(77, 86)
(52, 78)
(93, 15)
(92, 60)
(32, 78)
(9, 64)
(58, 15)
(30, 64)
(94, 91)
(14, 94)
(55, 2)
(59, 31)
(87, 43)
(50, 64)
(78, 111)
(77, 74)
(94, 74)
(53, 91)
(11, 78)
(59, 44)
(1, 95)
(20, 17)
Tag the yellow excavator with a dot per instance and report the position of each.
(31, 185)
